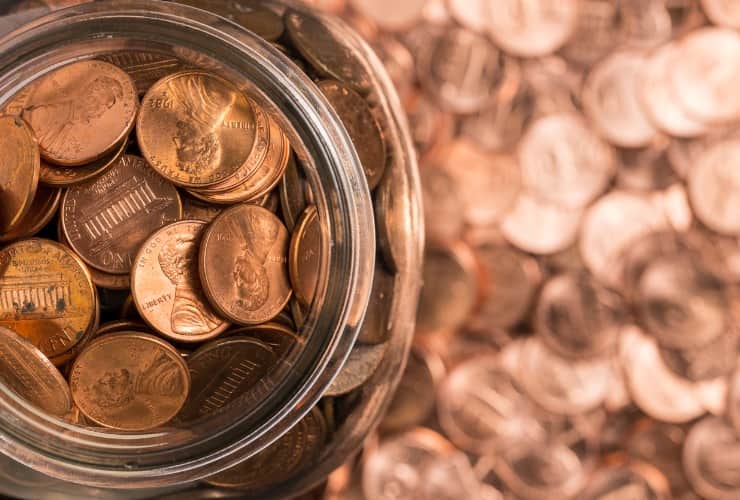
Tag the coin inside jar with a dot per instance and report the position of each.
(81, 111)
(244, 264)
(19, 171)
(166, 286)
(130, 381)
(195, 128)
(305, 256)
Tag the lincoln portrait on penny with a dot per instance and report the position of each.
(251, 281)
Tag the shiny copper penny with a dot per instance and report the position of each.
(19, 171)
(244, 264)
(42, 210)
(278, 462)
(322, 48)
(82, 111)
(27, 372)
(54, 175)
(362, 363)
(223, 372)
(145, 68)
(166, 286)
(130, 381)
(361, 126)
(107, 219)
(46, 294)
(195, 128)
(305, 256)
(63, 360)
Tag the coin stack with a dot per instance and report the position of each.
(577, 336)
(161, 245)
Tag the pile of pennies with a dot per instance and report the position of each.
(578, 330)
(161, 244)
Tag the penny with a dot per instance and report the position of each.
(193, 209)
(81, 111)
(658, 95)
(668, 397)
(430, 127)
(660, 444)
(703, 79)
(714, 187)
(282, 339)
(577, 317)
(451, 288)
(129, 381)
(511, 281)
(26, 371)
(360, 366)
(560, 385)
(298, 448)
(460, 69)
(722, 12)
(398, 62)
(564, 162)
(145, 68)
(451, 475)
(222, 373)
(324, 51)
(390, 15)
(376, 328)
(63, 360)
(444, 219)
(531, 29)
(680, 303)
(716, 359)
(540, 227)
(292, 193)
(195, 128)
(636, 480)
(53, 175)
(645, 24)
(19, 173)
(612, 103)
(166, 286)
(709, 455)
(597, 30)
(107, 219)
(46, 294)
(362, 127)
(647, 168)
(394, 217)
(42, 210)
(243, 264)
(304, 258)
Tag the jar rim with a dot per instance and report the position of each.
(111, 459)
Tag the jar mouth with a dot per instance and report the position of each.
(105, 458)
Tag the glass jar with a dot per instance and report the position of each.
(41, 456)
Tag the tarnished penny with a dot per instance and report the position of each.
(293, 188)
(223, 372)
(26, 371)
(305, 256)
(195, 128)
(166, 286)
(129, 381)
(321, 47)
(53, 175)
(46, 294)
(107, 219)
(19, 171)
(145, 68)
(278, 462)
(244, 264)
(43, 209)
(193, 209)
(362, 363)
(82, 111)
(361, 126)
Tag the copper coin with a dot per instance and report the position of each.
(390, 15)
(43, 209)
(361, 126)
(444, 219)
(53, 175)
(145, 68)
(193, 209)
(298, 448)
(322, 48)
(46, 294)
(564, 162)
(244, 264)
(636, 481)
(63, 360)
(82, 111)
(597, 31)
(130, 381)
(305, 256)
(578, 317)
(394, 217)
(281, 338)
(195, 128)
(293, 193)
(26, 371)
(223, 372)
(107, 219)
(250, 15)
(716, 359)
(714, 187)
(166, 286)
(710, 459)
(376, 328)
(611, 100)
(362, 363)
(19, 173)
